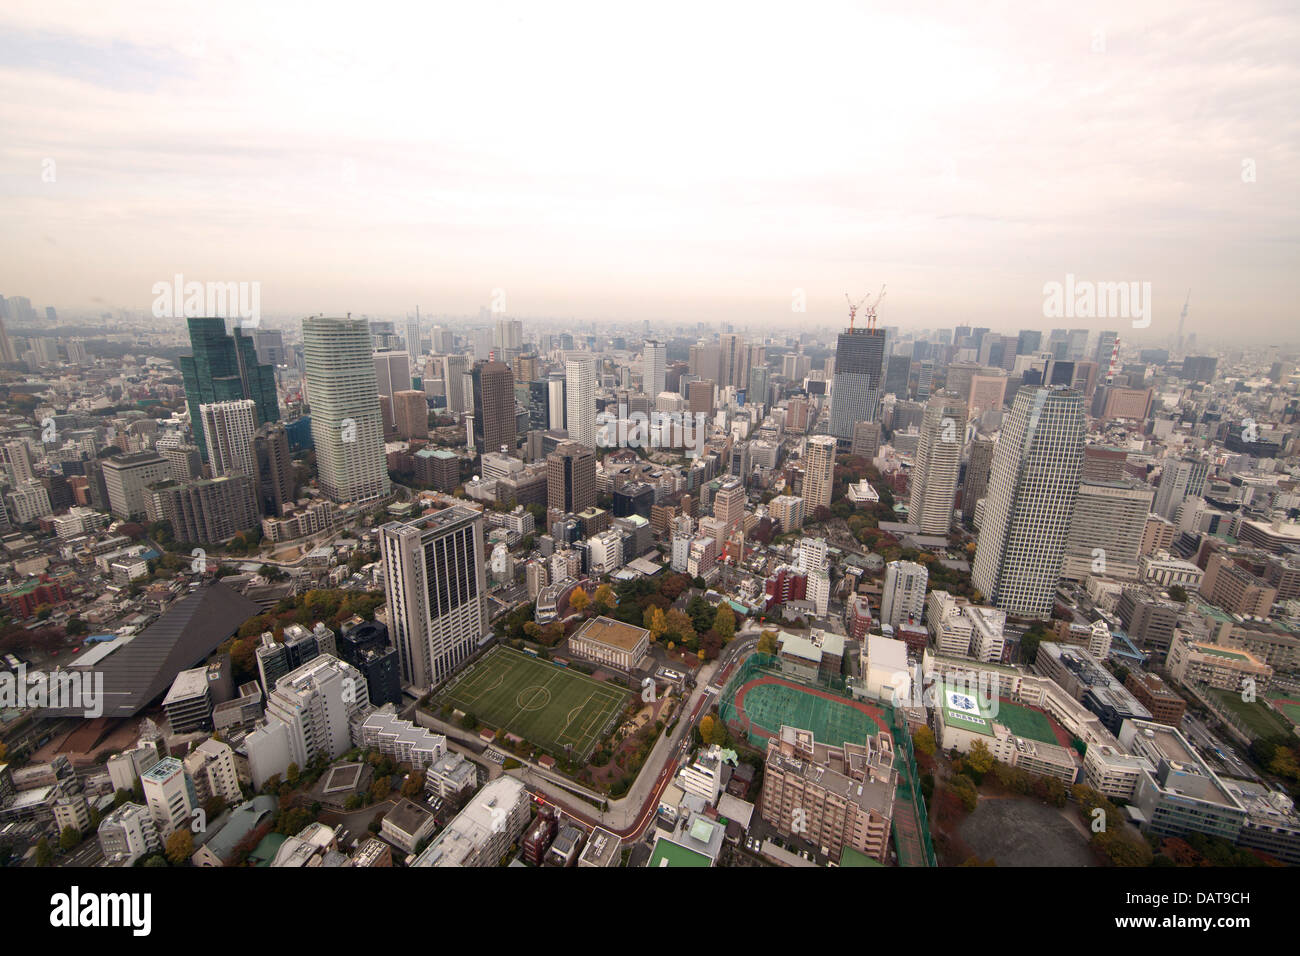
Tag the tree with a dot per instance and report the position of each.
(69, 837)
(980, 760)
(767, 645)
(44, 855)
(604, 599)
(923, 741)
(579, 600)
(179, 846)
(724, 622)
(656, 621)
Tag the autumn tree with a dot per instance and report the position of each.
(923, 741)
(579, 600)
(179, 846)
(604, 598)
(767, 645)
(724, 622)
(980, 759)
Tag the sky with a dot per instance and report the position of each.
(680, 162)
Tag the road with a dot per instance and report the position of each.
(629, 816)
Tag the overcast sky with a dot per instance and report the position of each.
(671, 162)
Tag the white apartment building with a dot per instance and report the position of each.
(903, 595)
(481, 833)
(169, 793)
(228, 428)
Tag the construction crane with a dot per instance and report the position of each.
(853, 308)
(870, 310)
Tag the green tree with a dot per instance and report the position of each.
(767, 645)
(69, 837)
(980, 760)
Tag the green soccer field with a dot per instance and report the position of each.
(554, 708)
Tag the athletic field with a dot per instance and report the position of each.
(562, 711)
(768, 702)
(1289, 707)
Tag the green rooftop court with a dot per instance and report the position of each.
(852, 857)
(1026, 722)
(668, 853)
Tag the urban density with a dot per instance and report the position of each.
(863, 581)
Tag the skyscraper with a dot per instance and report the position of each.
(571, 478)
(1179, 480)
(392, 373)
(437, 597)
(654, 366)
(454, 368)
(856, 387)
(346, 422)
(228, 429)
(494, 406)
(938, 464)
(580, 398)
(413, 344)
(1033, 487)
(224, 368)
(276, 480)
(977, 477)
(818, 472)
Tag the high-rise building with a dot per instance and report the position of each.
(275, 475)
(1106, 534)
(938, 464)
(571, 478)
(555, 392)
(127, 479)
(902, 598)
(207, 511)
(224, 368)
(414, 348)
(819, 472)
(859, 378)
(977, 477)
(228, 430)
(392, 373)
(493, 387)
(346, 421)
(454, 368)
(580, 399)
(1179, 481)
(437, 595)
(729, 505)
(654, 367)
(1030, 503)
(700, 396)
(411, 414)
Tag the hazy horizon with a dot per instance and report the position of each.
(694, 166)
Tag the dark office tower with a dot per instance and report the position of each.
(494, 406)
(700, 397)
(977, 478)
(364, 645)
(900, 367)
(224, 368)
(275, 478)
(1028, 342)
(1059, 372)
(634, 498)
(1199, 368)
(571, 478)
(859, 377)
(539, 405)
